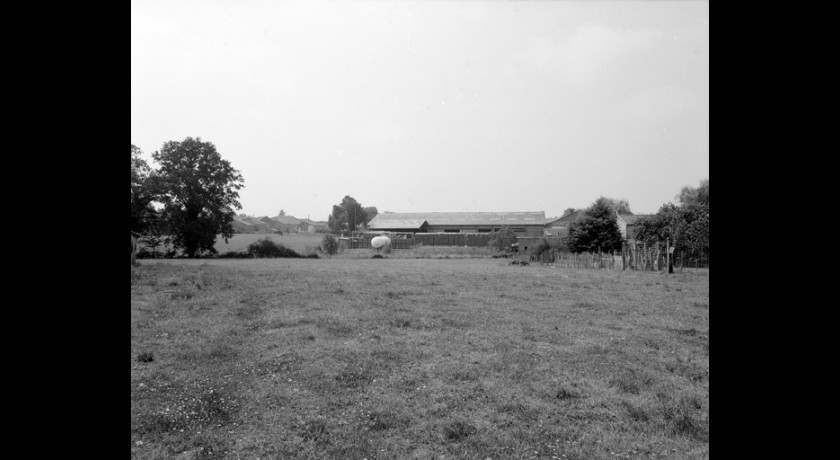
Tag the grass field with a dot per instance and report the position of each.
(416, 358)
(299, 242)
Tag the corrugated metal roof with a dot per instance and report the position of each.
(462, 218)
(387, 222)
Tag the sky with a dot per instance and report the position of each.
(430, 106)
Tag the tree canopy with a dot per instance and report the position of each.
(347, 216)
(690, 196)
(199, 193)
(686, 225)
(597, 230)
(142, 194)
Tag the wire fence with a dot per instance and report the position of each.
(642, 257)
(632, 256)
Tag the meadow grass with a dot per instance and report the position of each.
(416, 358)
(298, 242)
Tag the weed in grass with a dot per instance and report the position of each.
(182, 294)
(395, 295)
(385, 420)
(400, 323)
(315, 430)
(187, 408)
(281, 364)
(455, 323)
(145, 357)
(690, 370)
(458, 430)
(565, 393)
(249, 311)
(354, 378)
(684, 415)
(635, 413)
(464, 375)
(334, 326)
(632, 382)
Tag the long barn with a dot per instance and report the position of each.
(522, 223)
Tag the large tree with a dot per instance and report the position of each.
(597, 230)
(199, 193)
(347, 216)
(370, 213)
(142, 194)
(686, 225)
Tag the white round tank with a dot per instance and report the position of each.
(380, 242)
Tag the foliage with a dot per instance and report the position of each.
(235, 255)
(502, 239)
(619, 206)
(266, 248)
(142, 194)
(699, 196)
(329, 244)
(597, 230)
(156, 234)
(347, 216)
(370, 213)
(548, 249)
(199, 193)
(686, 226)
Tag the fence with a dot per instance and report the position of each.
(643, 256)
(605, 261)
(636, 256)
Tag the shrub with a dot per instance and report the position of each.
(145, 253)
(547, 250)
(329, 244)
(502, 239)
(267, 248)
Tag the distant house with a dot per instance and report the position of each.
(259, 225)
(522, 223)
(286, 224)
(242, 226)
(311, 226)
(560, 227)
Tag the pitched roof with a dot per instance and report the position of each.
(286, 219)
(376, 222)
(570, 217)
(255, 221)
(632, 218)
(460, 218)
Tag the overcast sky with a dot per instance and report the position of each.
(421, 106)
